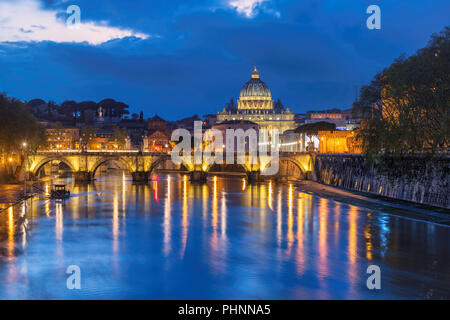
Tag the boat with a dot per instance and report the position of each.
(59, 192)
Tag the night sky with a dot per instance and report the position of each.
(179, 58)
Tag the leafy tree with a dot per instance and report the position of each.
(369, 104)
(315, 127)
(20, 135)
(415, 96)
(18, 126)
(113, 108)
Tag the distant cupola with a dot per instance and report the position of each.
(255, 94)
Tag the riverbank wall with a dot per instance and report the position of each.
(420, 179)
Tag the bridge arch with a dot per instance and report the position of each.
(242, 167)
(295, 162)
(156, 162)
(98, 163)
(38, 166)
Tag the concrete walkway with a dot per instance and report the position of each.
(392, 206)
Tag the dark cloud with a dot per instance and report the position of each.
(201, 53)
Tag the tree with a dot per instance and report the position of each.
(368, 105)
(415, 96)
(18, 126)
(315, 127)
(87, 110)
(20, 134)
(113, 108)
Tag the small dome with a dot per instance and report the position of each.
(255, 87)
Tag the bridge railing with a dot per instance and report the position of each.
(101, 152)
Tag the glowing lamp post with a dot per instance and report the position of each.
(24, 145)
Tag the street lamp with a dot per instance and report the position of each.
(24, 144)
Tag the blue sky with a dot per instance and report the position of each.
(178, 58)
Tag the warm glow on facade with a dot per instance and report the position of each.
(338, 142)
(255, 104)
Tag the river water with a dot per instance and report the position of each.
(225, 239)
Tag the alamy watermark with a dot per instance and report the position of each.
(73, 282)
(74, 20)
(374, 21)
(374, 281)
(248, 147)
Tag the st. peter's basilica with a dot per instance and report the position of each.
(255, 104)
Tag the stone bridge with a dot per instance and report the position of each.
(84, 164)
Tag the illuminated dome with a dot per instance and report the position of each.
(255, 94)
(255, 87)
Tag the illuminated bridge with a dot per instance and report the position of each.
(84, 164)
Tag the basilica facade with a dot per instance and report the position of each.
(255, 104)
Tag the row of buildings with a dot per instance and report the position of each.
(150, 135)
(105, 126)
(256, 107)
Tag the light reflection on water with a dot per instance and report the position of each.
(173, 239)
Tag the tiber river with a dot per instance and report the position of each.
(225, 239)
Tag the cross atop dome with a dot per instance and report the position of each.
(255, 74)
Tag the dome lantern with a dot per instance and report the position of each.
(255, 74)
(255, 94)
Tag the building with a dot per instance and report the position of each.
(156, 123)
(335, 116)
(255, 104)
(102, 139)
(300, 119)
(338, 142)
(158, 141)
(63, 138)
(210, 119)
(136, 130)
(185, 123)
(234, 125)
(290, 141)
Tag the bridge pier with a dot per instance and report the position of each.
(310, 175)
(82, 176)
(253, 176)
(199, 176)
(30, 176)
(140, 176)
